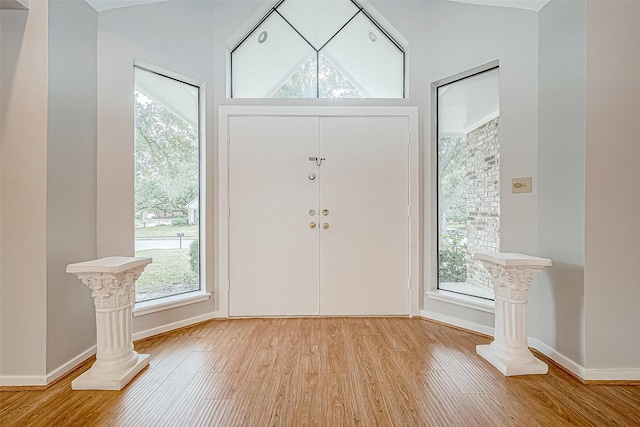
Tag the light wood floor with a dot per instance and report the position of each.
(325, 372)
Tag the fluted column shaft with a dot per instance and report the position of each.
(511, 276)
(112, 282)
(113, 296)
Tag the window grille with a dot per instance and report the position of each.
(318, 49)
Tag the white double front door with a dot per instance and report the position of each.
(318, 216)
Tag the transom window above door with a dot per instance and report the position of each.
(318, 49)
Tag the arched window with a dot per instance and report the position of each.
(317, 49)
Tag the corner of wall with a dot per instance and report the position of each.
(23, 228)
(557, 297)
(71, 180)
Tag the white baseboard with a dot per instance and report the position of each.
(175, 325)
(582, 372)
(557, 357)
(612, 375)
(475, 327)
(534, 343)
(39, 381)
(57, 373)
(570, 365)
(562, 360)
(23, 380)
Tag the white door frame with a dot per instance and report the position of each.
(225, 112)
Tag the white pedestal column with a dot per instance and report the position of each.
(511, 275)
(112, 281)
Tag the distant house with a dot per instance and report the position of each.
(193, 209)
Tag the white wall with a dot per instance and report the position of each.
(71, 178)
(444, 39)
(557, 298)
(48, 187)
(612, 250)
(23, 134)
(459, 37)
(178, 37)
(192, 42)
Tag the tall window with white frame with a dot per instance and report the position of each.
(167, 184)
(468, 112)
(288, 54)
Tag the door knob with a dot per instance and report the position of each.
(312, 225)
(325, 212)
(325, 225)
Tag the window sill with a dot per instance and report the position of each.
(463, 300)
(161, 304)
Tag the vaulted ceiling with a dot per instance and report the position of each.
(102, 5)
(519, 4)
(536, 5)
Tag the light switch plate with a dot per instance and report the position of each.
(521, 185)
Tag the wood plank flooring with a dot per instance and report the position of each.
(324, 372)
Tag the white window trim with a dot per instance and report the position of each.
(369, 10)
(432, 291)
(172, 301)
(167, 303)
(463, 300)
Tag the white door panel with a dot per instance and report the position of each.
(273, 259)
(278, 265)
(364, 186)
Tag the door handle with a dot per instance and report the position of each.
(312, 225)
(325, 225)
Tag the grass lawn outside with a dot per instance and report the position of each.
(168, 274)
(164, 231)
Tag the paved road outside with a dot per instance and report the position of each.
(173, 243)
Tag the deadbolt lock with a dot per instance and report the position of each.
(312, 225)
(325, 212)
(312, 212)
(325, 225)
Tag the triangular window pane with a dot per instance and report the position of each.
(333, 83)
(302, 84)
(179, 98)
(374, 63)
(358, 59)
(317, 20)
(267, 59)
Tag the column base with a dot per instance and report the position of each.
(115, 381)
(509, 368)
